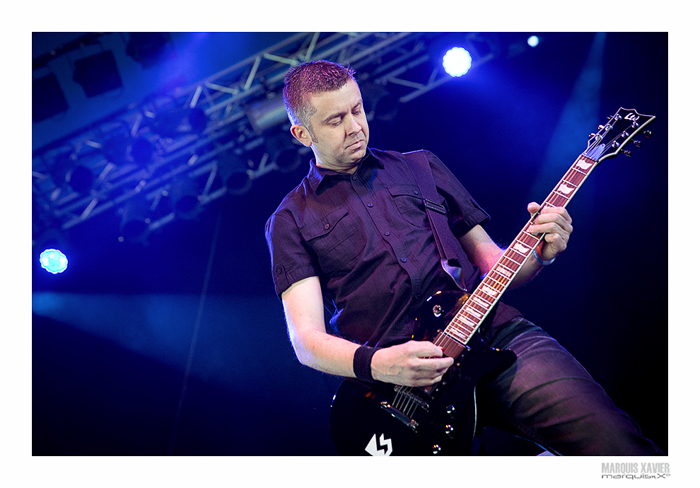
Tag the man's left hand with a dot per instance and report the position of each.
(555, 224)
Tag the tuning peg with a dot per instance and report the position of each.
(647, 134)
(637, 143)
(627, 153)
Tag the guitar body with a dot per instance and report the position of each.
(384, 419)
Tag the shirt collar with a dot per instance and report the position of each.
(319, 177)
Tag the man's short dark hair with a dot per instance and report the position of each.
(309, 78)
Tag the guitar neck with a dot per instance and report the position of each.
(484, 298)
(611, 138)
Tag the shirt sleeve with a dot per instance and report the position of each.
(290, 259)
(464, 212)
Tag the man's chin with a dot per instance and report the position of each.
(358, 152)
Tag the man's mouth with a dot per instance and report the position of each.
(355, 144)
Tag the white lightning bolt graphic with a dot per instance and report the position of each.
(382, 447)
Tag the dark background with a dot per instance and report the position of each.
(179, 347)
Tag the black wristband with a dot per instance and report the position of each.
(362, 363)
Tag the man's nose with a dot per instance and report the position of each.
(354, 126)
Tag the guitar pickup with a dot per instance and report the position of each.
(408, 422)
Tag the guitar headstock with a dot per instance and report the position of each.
(612, 137)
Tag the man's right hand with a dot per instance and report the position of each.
(411, 364)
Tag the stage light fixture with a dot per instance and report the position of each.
(379, 103)
(66, 170)
(184, 197)
(267, 113)
(457, 61)
(148, 48)
(53, 261)
(135, 220)
(80, 179)
(48, 99)
(116, 148)
(97, 74)
(176, 122)
(141, 151)
(198, 120)
(233, 173)
(283, 152)
(533, 41)
(167, 123)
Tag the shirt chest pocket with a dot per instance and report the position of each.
(334, 239)
(410, 204)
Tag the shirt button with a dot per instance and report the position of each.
(415, 192)
(387, 234)
(354, 177)
(370, 205)
(403, 260)
(327, 226)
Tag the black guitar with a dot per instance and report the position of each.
(385, 419)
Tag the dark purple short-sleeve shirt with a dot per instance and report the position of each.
(368, 239)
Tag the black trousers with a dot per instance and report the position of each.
(548, 397)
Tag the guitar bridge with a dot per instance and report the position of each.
(408, 422)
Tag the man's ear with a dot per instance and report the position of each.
(301, 134)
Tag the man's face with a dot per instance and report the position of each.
(338, 132)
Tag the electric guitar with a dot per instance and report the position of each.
(385, 419)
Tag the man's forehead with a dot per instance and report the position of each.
(345, 97)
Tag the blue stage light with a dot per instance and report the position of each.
(457, 61)
(53, 261)
(533, 41)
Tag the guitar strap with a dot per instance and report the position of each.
(437, 215)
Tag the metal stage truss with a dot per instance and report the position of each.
(234, 117)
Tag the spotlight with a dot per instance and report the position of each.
(266, 113)
(80, 179)
(135, 220)
(148, 48)
(53, 246)
(97, 74)
(283, 152)
(177, 122)
(457, 61)
(53, 261)
(142, 151)
(233, 173)
(288, 159)
(197, 119)
(167, 124)
(184, 197)
(533, 41)
(379, 103)
(116, 149)
(65, 170)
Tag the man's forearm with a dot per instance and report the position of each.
(325, 353)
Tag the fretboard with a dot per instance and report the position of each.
(484, 298)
